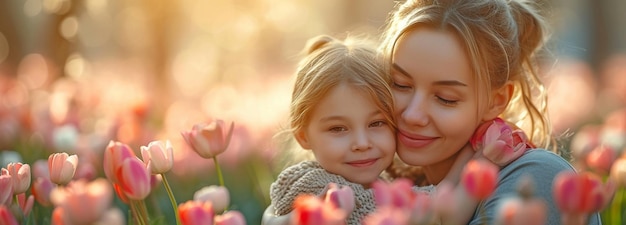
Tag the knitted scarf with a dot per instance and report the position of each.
(310, 178)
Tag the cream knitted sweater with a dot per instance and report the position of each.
(310, 178)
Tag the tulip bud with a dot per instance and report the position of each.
(601, 158)
(230, 218)
(310, 210)
(217, 195)
(20, 175)
(618, 172)
(41, 189)
(208, 140)
(134, 179)
(114, 154)
(341, 197)
(479, 178)
(6, 189)
(62, 167)
(158, 156)
(6, 217)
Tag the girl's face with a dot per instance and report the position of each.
(349, 135)
(435, 93)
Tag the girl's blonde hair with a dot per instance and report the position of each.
(501, 38)
(329, 62)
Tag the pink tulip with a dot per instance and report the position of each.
(618, 172)
(582, 193)
(230, 218)
(340, 196)
(499, 142)
(6, 189)
(208, 140)
(58, 216)
(601, 158)
(421, 209)
(310, 210)
(387, 215)
(398, 193)
(25, 204)
(114, 154)
(62, 167)
(6, 217)
(217, 195)
(134, 179)
(73, 197)
(479, 178)
(41, 189)
(20, 174)
(158, 156)
(40, 169)
(196, 213)
(518, 211)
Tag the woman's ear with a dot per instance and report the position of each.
(501, 98)
(302, 139)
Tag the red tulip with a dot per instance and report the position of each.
(601, 158)
(310, 210)
(499, 142)
(6, 217)
(582, 193)
(208, 140)
(114, 154)
(134, 179)
(479, 178)
(196, 213)
(62, 167)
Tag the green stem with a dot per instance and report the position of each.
(134, 209)
(219, 171)
(144, 211)
(172, 200)
(219, 176)
(616, 214)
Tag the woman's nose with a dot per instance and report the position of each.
(361, 141)
(415, 112)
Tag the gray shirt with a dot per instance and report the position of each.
(542, 166)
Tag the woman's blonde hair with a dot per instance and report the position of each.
(329, 62)
(501, 38)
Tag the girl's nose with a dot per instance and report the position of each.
(361, 141)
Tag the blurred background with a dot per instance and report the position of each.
(75, 74)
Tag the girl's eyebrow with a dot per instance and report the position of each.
(440, 82)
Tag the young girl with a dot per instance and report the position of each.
(341, 110)
(456, 64)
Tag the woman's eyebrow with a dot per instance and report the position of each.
(441, 82)
(399, 69)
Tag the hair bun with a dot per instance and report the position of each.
(317, 42)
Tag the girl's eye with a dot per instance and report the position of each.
(447, 101)
(378, 124)
(337, 129)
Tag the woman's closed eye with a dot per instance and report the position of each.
(399, 86)
(448, 102)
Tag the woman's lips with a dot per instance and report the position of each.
(362, 163)
(414, 141)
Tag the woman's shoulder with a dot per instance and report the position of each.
(537, 160)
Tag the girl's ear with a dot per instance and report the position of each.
(501, 98)
(302, 139)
